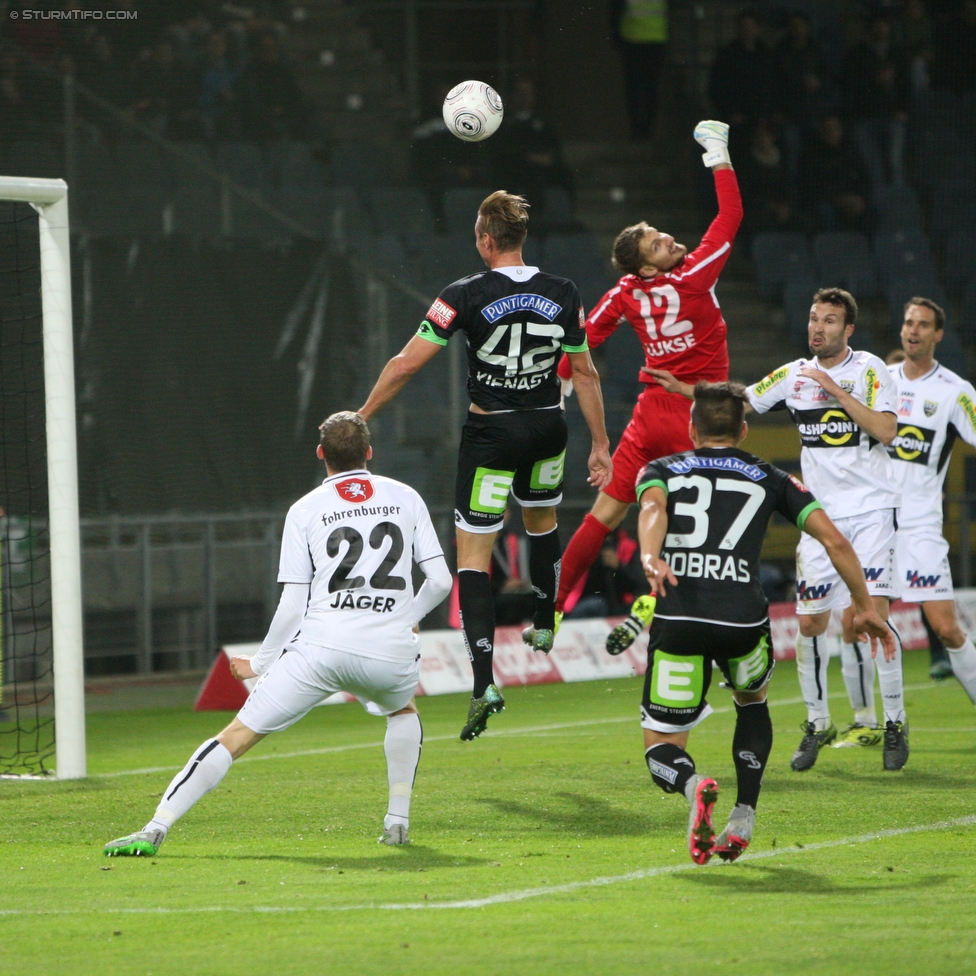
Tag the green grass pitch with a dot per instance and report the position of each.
(278, 871)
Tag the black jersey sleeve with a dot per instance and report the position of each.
(794, 500)
(653, 475)
(445, 316)
(574, 324)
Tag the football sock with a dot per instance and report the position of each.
(477, 625)
(937, 650)
(891, 682)
(964, 666)
(811, 668)
(751, 744)
(403, 742)
(582, 550)
(670, 766)
(206, 768)
(857, 666)
(544, 563)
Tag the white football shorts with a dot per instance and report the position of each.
(305, 674)
(819, 586)
(923, 564)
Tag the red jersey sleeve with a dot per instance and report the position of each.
(605, 317)
(700, 269)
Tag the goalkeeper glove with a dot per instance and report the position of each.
(565, 373)
(714, 138)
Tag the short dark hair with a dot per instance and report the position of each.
(505, 216)
(344, 438)
(928, 303)
(719, 408)
(627, 257)
(839, 298)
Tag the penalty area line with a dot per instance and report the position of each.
(508, 897)
(525, 730)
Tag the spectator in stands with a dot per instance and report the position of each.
(764, 179)
(99, 70)
(271, 103)
(954, 68)
(875, 82)
(805, 90)
(834, 185)
(165, 98)
(527, 153)
(216, 87)
(913, 36)
(614, 581)
(743, 79)
(642, 27)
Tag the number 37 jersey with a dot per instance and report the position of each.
(720, 501)
(354, 539)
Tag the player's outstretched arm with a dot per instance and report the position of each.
(435, 587)
(713, 137)
(586, 381)
(652, 527)
(397, 372)
(286, 622)
(842, 555)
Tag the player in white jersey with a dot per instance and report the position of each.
(934, 407)
(843, 405)
(347, 621)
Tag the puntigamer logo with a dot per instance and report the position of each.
(826, 428)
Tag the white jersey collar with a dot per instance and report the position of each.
(920, 379)
(841, 365)
(518, 272)
(346, 474)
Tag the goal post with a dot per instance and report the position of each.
(49, 198)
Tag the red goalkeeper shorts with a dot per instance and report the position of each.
(659, 427)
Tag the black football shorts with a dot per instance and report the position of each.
(522, 453)
(679, 668)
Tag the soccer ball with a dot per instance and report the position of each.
(473, 111)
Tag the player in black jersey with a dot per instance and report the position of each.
(703, 517)
(517, 321)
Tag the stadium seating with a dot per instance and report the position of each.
(797, 295)
(899, 291)
(359, 164)
(558, 207)
(779, 256)
(960, 259)
(902, 255)
(845, 259)
(402, 210)
(897, 209)
(969, 310)
(444, 259)
(293, 162)
(242, 162)
(953, 206)
(34, 159)
(577, 257)
(460, 208)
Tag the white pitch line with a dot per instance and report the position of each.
(508, 897)
(527, 730)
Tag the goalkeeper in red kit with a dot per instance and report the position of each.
(668, 297)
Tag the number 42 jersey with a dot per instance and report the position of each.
(720, 501)
(354, 540)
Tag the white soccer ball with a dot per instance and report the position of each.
(473, 111)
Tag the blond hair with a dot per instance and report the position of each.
(505, 216)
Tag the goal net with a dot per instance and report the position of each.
(42, 730)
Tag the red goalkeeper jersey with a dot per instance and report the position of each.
(676, 316)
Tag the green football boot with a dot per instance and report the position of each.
(626, 632)
(858, 735)
(143, 843)
(489, 703)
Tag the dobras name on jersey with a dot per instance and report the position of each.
(698, 565)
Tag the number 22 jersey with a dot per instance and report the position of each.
(720, 501)
(354, 540)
